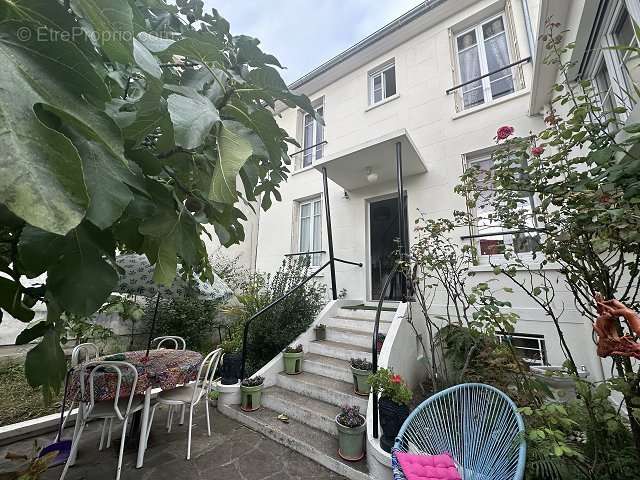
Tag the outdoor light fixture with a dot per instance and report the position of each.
(372, 177)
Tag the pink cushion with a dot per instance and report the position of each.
(428, 467)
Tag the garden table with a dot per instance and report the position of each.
(162, 368)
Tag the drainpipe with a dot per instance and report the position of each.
(527, 22)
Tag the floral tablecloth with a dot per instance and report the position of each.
(162, 368)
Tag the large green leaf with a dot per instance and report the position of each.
(192, 117)
(11, 300)
(37, 249)
(40, 170)
(200, 49)
(145, 60)
(233, 151)
(112, 21)
(45, 365)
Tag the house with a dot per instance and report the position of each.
(435, 83)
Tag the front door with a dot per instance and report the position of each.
(384, 240)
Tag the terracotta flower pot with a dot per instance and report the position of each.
(351, 441)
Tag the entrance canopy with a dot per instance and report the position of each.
(355, 167)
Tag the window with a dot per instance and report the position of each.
(382, 83)
(493, 244)
(531, 347)
(310, 238)
(312, 138)
(481, 50)
(612, 71)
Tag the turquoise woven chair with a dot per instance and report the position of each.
(478, 425)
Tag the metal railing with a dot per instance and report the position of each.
(473, 80)
(374, 346)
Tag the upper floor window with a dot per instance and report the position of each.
(530, 346)
(382, 83)
(498, 239)
(310, 222)
(312, 138)
(481, 50)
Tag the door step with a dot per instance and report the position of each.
(315, 444)
(329, 390)
(350, 336)
(343, 351)
(328, 367)
(361, 324)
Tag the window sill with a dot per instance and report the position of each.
(382, 102)
(493, 103)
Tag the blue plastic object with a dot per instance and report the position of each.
(478, 425)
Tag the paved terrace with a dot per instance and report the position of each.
(232, 452)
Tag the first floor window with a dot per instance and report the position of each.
(481, 50)
(531, 347)
(313, 136)
(498, 239)
(382, 83)
(311, 229)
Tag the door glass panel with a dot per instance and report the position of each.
(390, 82)
(377, 88)
(317, 232)
(319, 135)
(308, 140)
(497, 51)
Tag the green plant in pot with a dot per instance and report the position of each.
(351, 430)
(361, 369)
(251, 393)
(393, 405)
(292, 357)
(321, 331)
(231, 361)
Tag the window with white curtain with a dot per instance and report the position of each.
(310, 222)
(481, 50)
(382, 83)
(492, 244)
(312, 136)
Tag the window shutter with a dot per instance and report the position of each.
(454, 71)
(515, 49)
(297, 161)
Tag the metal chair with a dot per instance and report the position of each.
(178, 342)
(478, 425)
(118, 408)
(190, 395)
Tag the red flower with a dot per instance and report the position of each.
(396, 379)
(537, 151)
(505, 132)
(551, 119)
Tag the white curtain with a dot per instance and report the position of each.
(498, 57)
(470, 69)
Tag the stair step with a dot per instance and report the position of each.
(363, 306)
(307, 410)
(342, 351)
(315, 444)
(360, 324)
(366, 314)
(327, 367)
(329, 390)
(349, 336)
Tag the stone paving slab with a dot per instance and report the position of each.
(232, 452)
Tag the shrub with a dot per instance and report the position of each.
(361, 364)
(349, 416)
(188, 317)
(281, 325)
(390, 386)
(253, 382)
(296, 349)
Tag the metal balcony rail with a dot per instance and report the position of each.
(512, 64)
(499, 234)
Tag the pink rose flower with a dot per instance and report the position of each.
(505, 132)
(537, 151)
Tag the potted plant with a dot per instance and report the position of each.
(213, 398)
(380, 341)
(250, 393)
(292, 357)
(393, 405)
(321, 331)
(231, 362)
(351, 429)
(361, 369)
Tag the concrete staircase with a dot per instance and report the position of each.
(313, 398)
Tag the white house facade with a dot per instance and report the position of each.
(397, 86)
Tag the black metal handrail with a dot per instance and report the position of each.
(245, 333)
(304, 253)
(324, 142)
(374, 347)
(473, 80)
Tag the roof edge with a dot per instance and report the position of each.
(379, 34)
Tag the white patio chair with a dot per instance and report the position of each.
(191, 394)
(178, 342)
(80, 353)
(118, 408)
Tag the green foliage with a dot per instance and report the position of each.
(350, 416)
(252, 382)
(83, 329)
(128, 309)
(128, 123)
(293, 349)
(273, 330)
(188, 317)
(390, 386)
